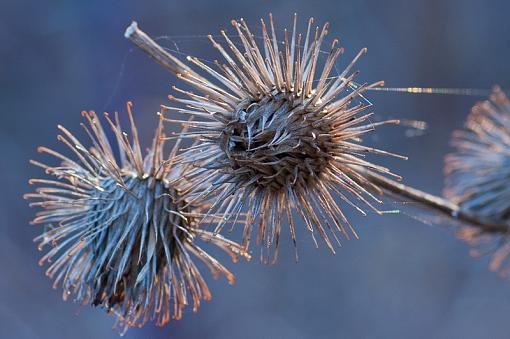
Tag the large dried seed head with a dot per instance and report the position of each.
(478, 172)
(276, 132)
(122, 234)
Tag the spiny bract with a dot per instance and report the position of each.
(122, 233)
(273, 137)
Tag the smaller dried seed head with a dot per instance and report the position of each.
(277, 133)
(478, 176)
(478, 172)
(122, 234)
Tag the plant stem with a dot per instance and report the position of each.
(155, 51)
(438, 204)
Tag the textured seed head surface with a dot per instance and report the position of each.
(275, 132)
(122, 233)
(478, 171)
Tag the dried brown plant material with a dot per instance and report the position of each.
(121, 233)
(277, 134)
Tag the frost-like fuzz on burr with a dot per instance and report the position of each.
(122, 234)
(276, 133)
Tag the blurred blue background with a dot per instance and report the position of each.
(402, 279)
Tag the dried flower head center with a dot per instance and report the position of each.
(276, 141)
(146, 205)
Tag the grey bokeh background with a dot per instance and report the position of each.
(402, 279)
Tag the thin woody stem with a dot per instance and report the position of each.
(155, 51)
(438, 204)
(442, 206)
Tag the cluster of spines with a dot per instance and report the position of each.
(122, 234)
(264, 104)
